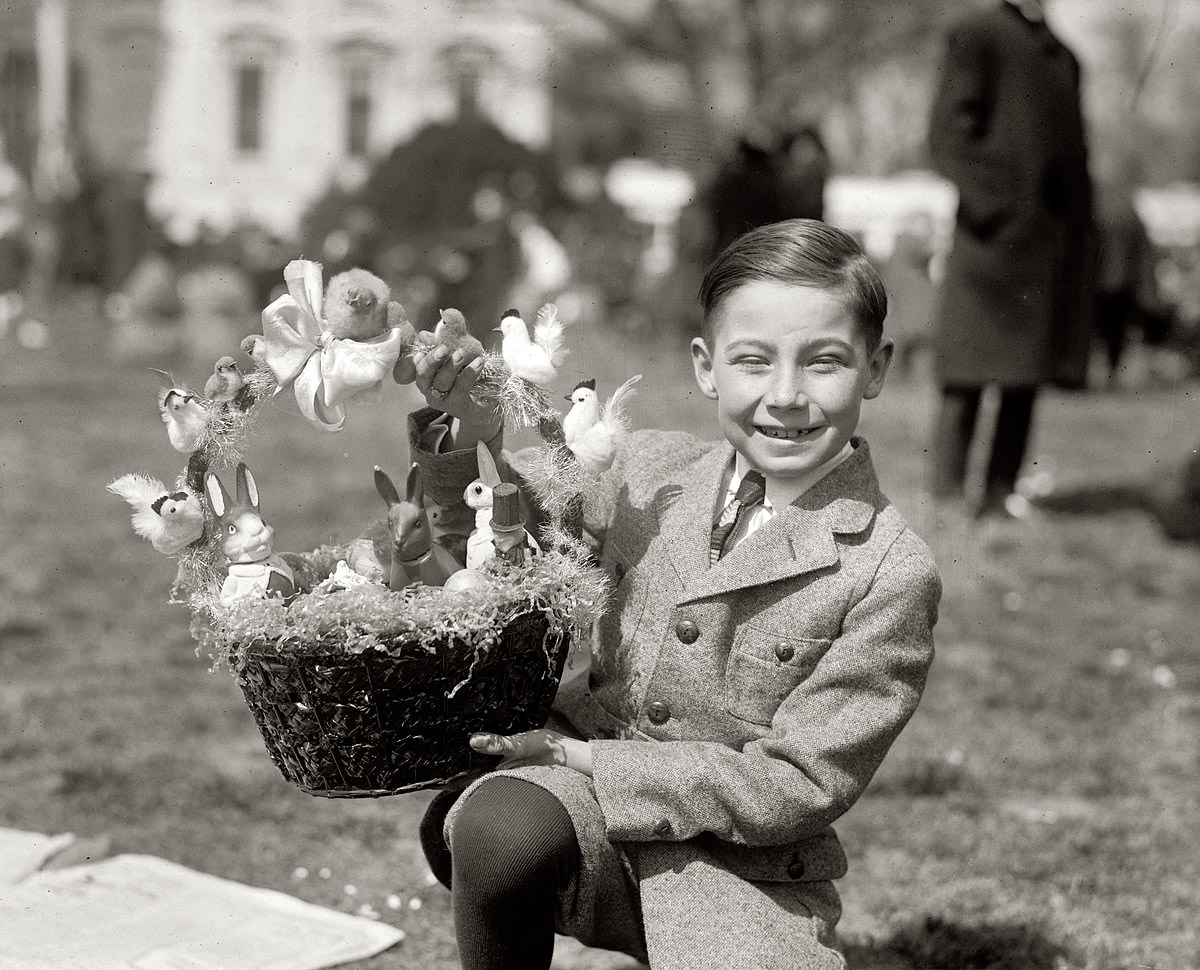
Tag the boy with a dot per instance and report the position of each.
(753, 669)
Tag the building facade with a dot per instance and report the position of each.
(246, 110)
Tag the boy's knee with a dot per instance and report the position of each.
(510, 834)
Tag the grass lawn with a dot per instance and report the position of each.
(1041, 809)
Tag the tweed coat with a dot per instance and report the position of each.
(1006, 127)
(780, 676)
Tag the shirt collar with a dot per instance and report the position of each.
(783, 492)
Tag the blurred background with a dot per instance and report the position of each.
(162, 160)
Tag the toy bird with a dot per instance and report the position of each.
(255, 347)
(451, 332)
(356, 305)
(592, 431)
(536, 358)
(171, 520)
(184, 414)
(225, 381)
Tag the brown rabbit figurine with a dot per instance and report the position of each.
(415, 557)
(247, 542)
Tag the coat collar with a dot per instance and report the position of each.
(797, 540)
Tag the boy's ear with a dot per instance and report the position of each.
(877, 368)
(702, 364)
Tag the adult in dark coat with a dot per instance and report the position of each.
(744, 194)
(1007, 129)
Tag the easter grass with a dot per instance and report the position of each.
(564, 587)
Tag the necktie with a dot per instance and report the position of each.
(750, 493)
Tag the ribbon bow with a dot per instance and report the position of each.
(325, 369)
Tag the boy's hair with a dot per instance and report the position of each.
(799, 252)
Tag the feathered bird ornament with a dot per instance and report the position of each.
(591, 430)
(451, 332)
(172, 519)
(225, 381)
(535, 358)
(183, 412)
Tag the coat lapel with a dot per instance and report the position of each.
(687, 525)
(797, 540)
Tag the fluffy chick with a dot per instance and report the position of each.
(356, 305)
(592, 431)
(225, 381)
(535, 358)
(170, 520)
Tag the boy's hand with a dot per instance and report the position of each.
(544, 746)
(446, 377)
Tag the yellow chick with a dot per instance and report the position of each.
(356, 305)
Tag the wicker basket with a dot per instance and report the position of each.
(382, 722)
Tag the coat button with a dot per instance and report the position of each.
(658, 712)
(687, 631)
(663, 827)
(796, 867)
(784, 652)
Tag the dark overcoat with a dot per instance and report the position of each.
(1007, 129)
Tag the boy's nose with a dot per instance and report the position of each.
(787, 392)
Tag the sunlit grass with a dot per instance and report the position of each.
(1040, 809)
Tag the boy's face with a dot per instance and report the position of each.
(789, 370)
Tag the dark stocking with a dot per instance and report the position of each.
(514, 851)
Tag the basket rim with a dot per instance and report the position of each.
(265, 645)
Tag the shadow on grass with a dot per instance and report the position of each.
(1098, 499)
(1176, 511)
(934, 943)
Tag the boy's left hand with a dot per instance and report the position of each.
(544, 746)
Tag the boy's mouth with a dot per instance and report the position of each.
(787, 434)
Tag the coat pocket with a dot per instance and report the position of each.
(765, 666)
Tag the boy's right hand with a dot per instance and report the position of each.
(446, 377)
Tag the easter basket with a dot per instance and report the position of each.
(363, 686)
(397, 718)
(369, 697)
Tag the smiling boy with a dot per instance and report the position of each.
(743, 689)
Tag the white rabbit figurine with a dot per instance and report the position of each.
(478, 496)
(247, 542)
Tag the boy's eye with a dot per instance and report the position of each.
(826, 364)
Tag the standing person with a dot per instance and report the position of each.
(770, 633)
(744, 194)
(1007, 129)
(803, 172)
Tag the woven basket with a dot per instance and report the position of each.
(382, 722)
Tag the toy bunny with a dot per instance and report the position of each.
(247, 542)
(478, 496)
(415, 557)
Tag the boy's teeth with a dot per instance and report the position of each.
(783, 432)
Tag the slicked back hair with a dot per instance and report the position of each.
(798, 252)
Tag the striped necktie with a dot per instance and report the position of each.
(750, 493)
